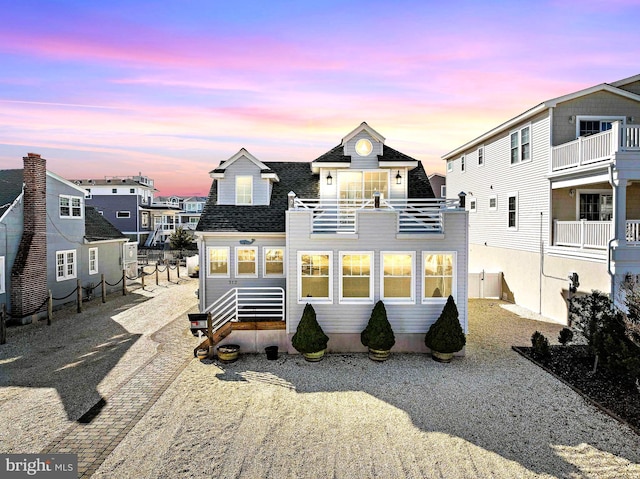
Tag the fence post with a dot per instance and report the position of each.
(124, 282)
(157, 274)
(178, 268)
(50, 309)
(104, 289)
(168, 273)
(142, 275)
(79, 296)
(3, 326)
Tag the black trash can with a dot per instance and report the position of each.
(272, 352)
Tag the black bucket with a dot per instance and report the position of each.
(272, 352)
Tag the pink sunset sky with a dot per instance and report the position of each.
(172, 88)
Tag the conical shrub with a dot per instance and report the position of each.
(378, 334)
(309, 337)
(446, 335)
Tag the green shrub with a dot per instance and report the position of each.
(540, 344)
(378, 334)
(446, 334)
(565, 336)
(309, 337)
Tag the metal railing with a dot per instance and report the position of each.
(341, 215)
(247, 304)
(596, 148)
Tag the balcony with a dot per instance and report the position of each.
(340, 216)
(591, 234)
(598, 148)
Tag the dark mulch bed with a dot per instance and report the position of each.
(574, 365)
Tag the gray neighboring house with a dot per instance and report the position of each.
(357, 225)
(49, 240)
(438, 184)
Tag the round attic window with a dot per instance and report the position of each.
(363, 147)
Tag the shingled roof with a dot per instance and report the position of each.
(10, 188)
(336, 155)
(296, 177)
(98, 228)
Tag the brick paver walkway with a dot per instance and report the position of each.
(101, 429)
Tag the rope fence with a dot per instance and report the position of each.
(88, 289)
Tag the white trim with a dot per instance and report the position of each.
(2, 275)
(463, 164)
(363, 127)
(518, 131)
(303, 300)
(480, 152)
(454, 278)
(495, 207)
(450, 166)
(237, 262)
(395, 300)
(580, 118)
(443, 191)
(65, 264)
(244, 177)
(70, 198)
(264, 262)
(208, 263)
(341, 298)
(473, 204)
(66, 182)
(511, 195)
(241, 153)
(93, 270)
(120, 214)
(587, 191)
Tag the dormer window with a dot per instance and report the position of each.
(363, 147)
(244, 190)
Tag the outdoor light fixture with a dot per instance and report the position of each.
(329, 179)
(398, 178)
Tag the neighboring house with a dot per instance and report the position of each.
(191, 210)
(49, 240)
(187, 217)
(128, 203)
(282, 234)
(438, 184)
(553, 196)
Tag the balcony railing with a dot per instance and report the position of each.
(340, 216)
(591, 234)
(600, 147)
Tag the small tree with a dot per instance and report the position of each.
(378, 334)
(446, 334)
(540, 344)
(565, 336)
(309, 337)
(180, 239)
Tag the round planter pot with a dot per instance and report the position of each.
(228, 353)
(441, 357)
(202, 354)
(272, 352)
(314, 357)
(379, 354)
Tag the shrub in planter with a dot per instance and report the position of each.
(446, 336)
(309, 337)
(378, 335)
(565, 336)
(540, 344)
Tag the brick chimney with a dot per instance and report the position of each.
(29, 272)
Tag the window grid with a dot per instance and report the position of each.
(438, 276)
(246, 262)
(356, 276)
(273, 261)
(70, 206)
(397, 276)
(65, 265)
(521, 145)
(218, 262)
(513, 212)
(93, 260)
(244, 190)
(315, 276)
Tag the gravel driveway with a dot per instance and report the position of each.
(491, 414)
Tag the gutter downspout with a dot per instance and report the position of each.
(612, 240)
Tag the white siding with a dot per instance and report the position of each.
(376, 232)
(360, 162)
(227, 185)
(499, 177)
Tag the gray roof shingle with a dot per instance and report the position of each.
(10, 188)
(98, 228)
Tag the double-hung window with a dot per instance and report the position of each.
(493, 203)
(65, 265)
(218, 262)
(481, 156)
(462, 163)
(70, 206)
(316, 273)
(397, 276)
(246, 261)
(512, 211)
(273, 261)
(356, 277)
(521, 145)
(439, 275)
(244, 190)
(93, 260)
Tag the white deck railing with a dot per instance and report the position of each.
(596, 148)
(633, 232)
(582, 234)
(247, 304)
(340, 216)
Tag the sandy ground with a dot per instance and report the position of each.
(491, 414)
